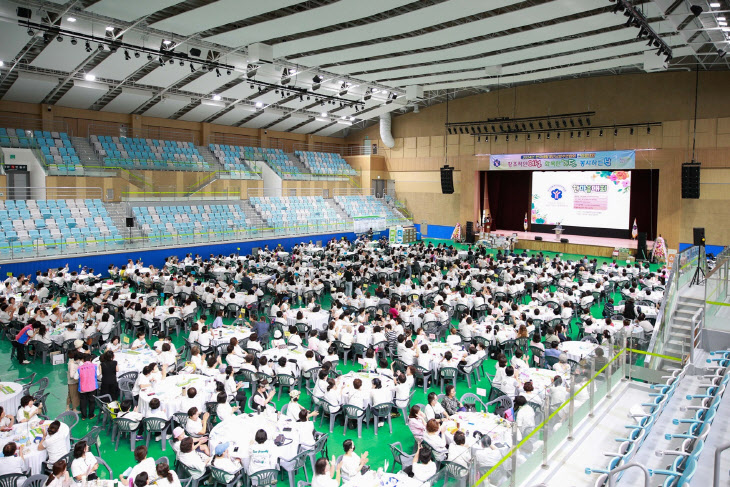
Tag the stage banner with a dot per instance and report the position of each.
(363, 224)
(564, 161)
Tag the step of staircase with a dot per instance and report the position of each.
(210, 158)
(87, 155)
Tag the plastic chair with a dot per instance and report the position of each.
(11, 479)
(262, 477)
(91, 438)
(399, 456)
(293, 465)
(447, 373)
(353, 412)
(327, 411)
(35, 481)
(123, 426)
(70, 418)
(382, 412)
(470, 398)
(219, 477)
(456, 471)
(156, 425)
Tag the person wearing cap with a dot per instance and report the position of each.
(223, 409)
(563, 367)
(294, 407)
(223, 461)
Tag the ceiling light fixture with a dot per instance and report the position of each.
(109, 28)
(89, 77)
(216, 97)
(71, 19)
(259, 104)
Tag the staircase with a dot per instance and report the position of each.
(88, 156)
(118, 212)
(340, 212)
(689, 301)
(297, 163)
(252, 214)
(210, 158)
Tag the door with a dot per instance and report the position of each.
(379, 186)
(18, 185)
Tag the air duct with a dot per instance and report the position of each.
(385, 130)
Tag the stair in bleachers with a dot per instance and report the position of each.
(210, 158)
(119, 212)
(252, 214)
(297, 163)
(338, 209)
(358, 206)
(89, 158)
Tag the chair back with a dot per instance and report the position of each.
(382, 410)
(124, 424)
(154, 424)
(449, 372)
(70, 418)
(35, 481)
(11, 479)
(454, 469)
(263, 477)
(352, 411)
(181, 419)
(285, 380)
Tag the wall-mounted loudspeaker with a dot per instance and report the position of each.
(691, 180)
(447, 180)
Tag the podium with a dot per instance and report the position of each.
(558, 232)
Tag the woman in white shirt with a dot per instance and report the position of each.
(261, 453)
(84, 464)
(379, 395)
(306, 428)
(435, 436)
(434, 410)
(59, 476)
(9, 463)
(525, 416)
(166, 477)
(195, 461)
(144, 380)
(351, 463)
(325, 474)
(333, 395)
(140, 343)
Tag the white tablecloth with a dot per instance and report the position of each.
(133, 360)
(371, 479)
(224, 335)
(540, 378)
(240, 431)
(23, 434)
(273, 354)
(498, 429)
(10, 397)
(318, 320)
(169, 392)
(577, 350)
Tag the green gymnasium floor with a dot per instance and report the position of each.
(377, 447)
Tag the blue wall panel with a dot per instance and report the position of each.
(441, 232)
(100, 262)
(710, 249)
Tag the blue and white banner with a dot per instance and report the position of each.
(564, 161)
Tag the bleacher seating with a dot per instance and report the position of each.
(133, 152)
(279, 161)
(54, 223)
(358, 206)
(58, 151)
(295, 210)
(236, 158)
(186, 221)
(325, 163)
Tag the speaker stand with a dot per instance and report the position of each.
(699, 276)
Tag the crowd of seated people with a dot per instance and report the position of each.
(406, 316)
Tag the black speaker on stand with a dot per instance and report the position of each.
(698, 235)
(691, 180)
(470, 237)
(447, 179)
(641, 246)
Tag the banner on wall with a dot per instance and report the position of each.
(564, 161)
(365, 223)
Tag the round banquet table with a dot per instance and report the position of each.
(540, 378)
(224, 334)
(367, 384)
(438, 349)
(169, 392)
(30, 435)
(498, 429)
(240, 430)
(133, 360)
(260, 279)
(371, 479)
(577, 350)
(10, 396)
(318, 320)
(273, 354)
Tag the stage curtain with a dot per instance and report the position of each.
(484, 191)
(644, 199)
(509, 198)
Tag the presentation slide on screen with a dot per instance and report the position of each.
(598, 199)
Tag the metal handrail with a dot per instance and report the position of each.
(718, 453)
(612, 482)
(61, 192)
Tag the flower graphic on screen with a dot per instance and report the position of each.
(496, 163)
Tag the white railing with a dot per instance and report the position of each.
(55, 193)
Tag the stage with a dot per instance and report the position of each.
(577, 244)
